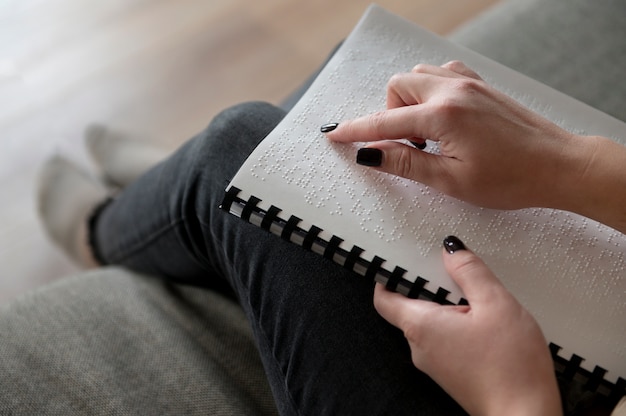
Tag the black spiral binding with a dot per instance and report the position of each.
(331, 249)
(568, 369)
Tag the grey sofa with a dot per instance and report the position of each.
(111, 341)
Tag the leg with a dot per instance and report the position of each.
(323, 346)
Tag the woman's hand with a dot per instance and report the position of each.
(490, 356)
(494, 152)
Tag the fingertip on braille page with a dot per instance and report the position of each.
(369, 156)
(453, 244)
(326, 128)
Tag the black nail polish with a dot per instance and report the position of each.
(368, 156)
(452, 244)
(328, 127)
(420, 146)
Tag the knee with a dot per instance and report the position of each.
(237, 130)
(231, 136)
(244, 124)
(248, 111)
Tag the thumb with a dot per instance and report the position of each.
(479, 284)
(402, 160)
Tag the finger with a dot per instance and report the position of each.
(479, 284)
(461, 69)
(416, 87)
(441, 71)
(403, 118)
(413, 88)
(408, 162)
(399, 310)
(392, 124)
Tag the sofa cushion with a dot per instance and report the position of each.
(114, 342)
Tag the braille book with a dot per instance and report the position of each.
(567, 270)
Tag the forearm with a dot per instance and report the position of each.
(598, 189)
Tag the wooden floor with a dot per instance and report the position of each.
(155, 69)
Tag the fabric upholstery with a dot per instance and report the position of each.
(115, 342)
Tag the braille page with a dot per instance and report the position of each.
(566, 269)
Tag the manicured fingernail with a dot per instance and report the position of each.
(368, 156)
(328, 127)
(452, 244)
(420, 146)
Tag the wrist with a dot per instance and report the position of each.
(594, 184)
(540, 404)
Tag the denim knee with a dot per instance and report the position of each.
(249, 114)
(228, 140)
(234, 133)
